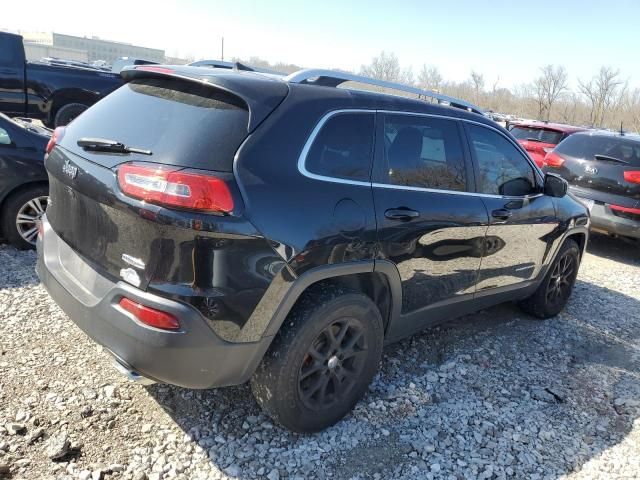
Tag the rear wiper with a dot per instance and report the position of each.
(531, 139)
(103, 145)
(607, 158)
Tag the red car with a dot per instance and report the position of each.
(539, 138)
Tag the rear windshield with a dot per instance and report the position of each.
(182, 123)
(536, 134)
(588, 146)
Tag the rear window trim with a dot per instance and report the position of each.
(302, 159)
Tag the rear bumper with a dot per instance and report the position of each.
(604, 220)
(193, 357)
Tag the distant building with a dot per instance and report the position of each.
(177, 61)
(95, 48)
(36, 51)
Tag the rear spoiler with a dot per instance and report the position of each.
(260, 93)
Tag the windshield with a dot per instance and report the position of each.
(537, 134)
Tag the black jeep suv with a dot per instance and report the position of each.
(210, 227)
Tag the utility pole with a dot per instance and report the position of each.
(222, 54)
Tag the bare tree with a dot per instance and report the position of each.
(604, 101)
(548, 87)
(569, 108)
(430, 78)
(603, 92)
(406, 76)
(383, 67)
(494, 86)
(632, 110)
(477, 82)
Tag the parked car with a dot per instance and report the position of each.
(23, 180)
(539, 138)
(54, 92)
(210, 227)
(603, 171)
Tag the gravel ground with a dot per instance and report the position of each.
(492, 395)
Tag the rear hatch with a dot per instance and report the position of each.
(189, 125)
(600, 167)
(537, 140)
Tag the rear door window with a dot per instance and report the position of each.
(183, 123)
(586, 147)
(344, 147)
(502, 169)
(536, 134)
(424, 152)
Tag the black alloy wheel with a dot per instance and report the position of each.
(561, 280)
(554, 291)
(333, 364)
(322, 360)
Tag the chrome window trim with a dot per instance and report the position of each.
(312, 136)
(302, 159)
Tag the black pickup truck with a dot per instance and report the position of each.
(53, 93)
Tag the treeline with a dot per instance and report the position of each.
(604, 100)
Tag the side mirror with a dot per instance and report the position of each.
(555, 185)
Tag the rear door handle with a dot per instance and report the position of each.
(401, 213)
(501, 214)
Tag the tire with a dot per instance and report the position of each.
(305, 382)
(68, 112)
(553, 293)
(30, 204)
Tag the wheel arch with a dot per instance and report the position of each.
(378, 279)
(71, 95)
(581, 238)
(21, 188)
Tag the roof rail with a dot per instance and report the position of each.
(332, 78)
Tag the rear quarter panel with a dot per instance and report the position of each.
(310, 222)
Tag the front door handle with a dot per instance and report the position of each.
(401, 213)
(501, 214)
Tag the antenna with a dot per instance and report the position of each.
(621, 130)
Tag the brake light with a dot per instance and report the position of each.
(618, 208)
(553, 160)
(174, 187)
(632, 176)
(56, 137)
(150, 316)
(149, 68)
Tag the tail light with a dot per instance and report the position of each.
(58, 133)
(632, 176)
(175, 187)
(553, 160)
(150, 316)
